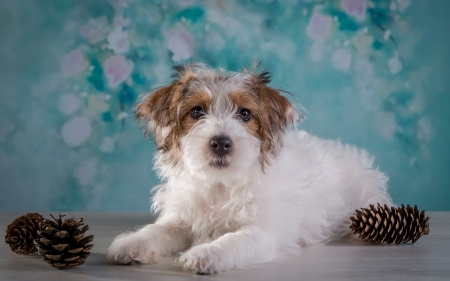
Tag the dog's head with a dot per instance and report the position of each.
(216, 123)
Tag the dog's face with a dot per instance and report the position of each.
(217, 124)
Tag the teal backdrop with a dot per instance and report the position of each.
(374, 73)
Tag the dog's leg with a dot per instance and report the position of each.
(232, 250)
(148, 244)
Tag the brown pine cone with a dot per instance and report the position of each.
(390, 225)
(62, 243)
(20, 234)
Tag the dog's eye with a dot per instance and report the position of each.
(197, 112)
(244, 114)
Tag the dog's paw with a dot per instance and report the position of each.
(132, 248)
(203, 260)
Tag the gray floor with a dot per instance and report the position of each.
(427, 259)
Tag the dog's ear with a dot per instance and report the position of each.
(282, 111)
(276, 114)
(156, 114)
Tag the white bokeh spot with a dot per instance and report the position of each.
(118, 41)
(76, 131)
(341, 59)
(385, 125)
(107, 145)
(316, 51)
(86, 171)
(69, 103)
(424, 129)
(395, 65)
(181, 44)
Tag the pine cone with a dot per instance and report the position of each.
(20, 234)
(62, 244)
(394, 225)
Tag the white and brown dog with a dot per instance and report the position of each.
(240, 185)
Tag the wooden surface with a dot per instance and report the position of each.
(427, 259)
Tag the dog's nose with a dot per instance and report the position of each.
(221, 145)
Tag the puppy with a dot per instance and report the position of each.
(240, 183)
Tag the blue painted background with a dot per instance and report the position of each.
(372, 73)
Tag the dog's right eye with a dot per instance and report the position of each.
(197, 112)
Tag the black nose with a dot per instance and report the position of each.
(221, 145)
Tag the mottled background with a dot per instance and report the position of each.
(374, 73)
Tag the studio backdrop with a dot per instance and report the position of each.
(373, 73)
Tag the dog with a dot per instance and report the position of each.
(241, 184)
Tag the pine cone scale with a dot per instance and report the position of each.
(62, 234)
(53, 257)
(88, 247)
(45, 241)
(47, 236)
(60, 247)
(72, 258)
(87, 239)
(51, 230)
(75, 251)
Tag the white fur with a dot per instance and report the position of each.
(221, 219)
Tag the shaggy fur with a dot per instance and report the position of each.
(275, 190)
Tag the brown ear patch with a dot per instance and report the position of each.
(157, 115)
(275, 115)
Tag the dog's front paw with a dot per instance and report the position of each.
(203, 259)
(131, 248)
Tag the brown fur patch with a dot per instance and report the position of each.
(245, 99)
(158, 115)
(275, 114)
(197, 98)
(271, 113)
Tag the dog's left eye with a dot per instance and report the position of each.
(244, 114)
(197, 112)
